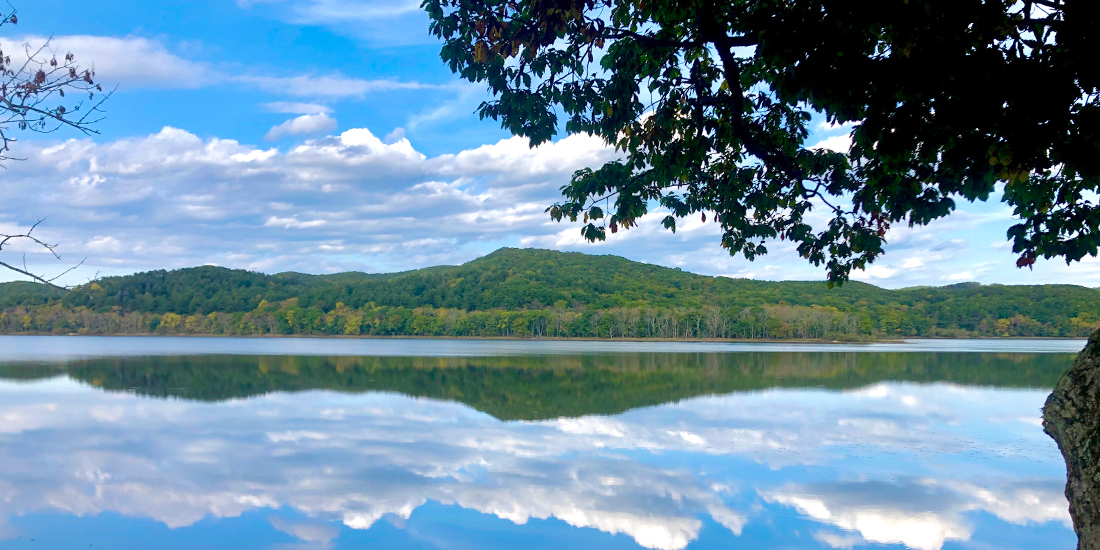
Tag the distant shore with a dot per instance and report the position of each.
(552, 339)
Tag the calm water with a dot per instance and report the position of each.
(330, 444)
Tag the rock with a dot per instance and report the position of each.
(1072, 417)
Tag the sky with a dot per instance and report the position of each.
(326, 135)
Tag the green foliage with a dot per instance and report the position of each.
(542, 293)
(708, 102)
(24, 291)
(533, 388)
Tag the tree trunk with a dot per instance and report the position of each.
(1072, 417)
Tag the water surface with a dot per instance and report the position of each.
(45, 348)
(332, 444)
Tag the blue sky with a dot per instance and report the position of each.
(326, 135)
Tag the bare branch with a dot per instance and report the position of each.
(33, 97)
(28, 235)
(47, 282)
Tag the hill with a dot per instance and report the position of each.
(22, 291)
(543, 292)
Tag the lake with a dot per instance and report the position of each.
(183, 443)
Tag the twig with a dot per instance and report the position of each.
(47, 282)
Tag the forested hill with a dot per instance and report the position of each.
(556, 291)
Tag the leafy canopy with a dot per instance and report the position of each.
(708, 103)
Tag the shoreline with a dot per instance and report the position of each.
(551, 338)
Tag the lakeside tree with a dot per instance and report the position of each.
(42, 92)
(708, 104)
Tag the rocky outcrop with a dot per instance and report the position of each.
(1072, 417)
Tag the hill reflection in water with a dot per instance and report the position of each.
(538, 387)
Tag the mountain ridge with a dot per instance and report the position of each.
(512, 279)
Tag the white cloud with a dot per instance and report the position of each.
(394, 136)
(331, 11)
(136, 62)
(963, 276)
(834, 540)
(145, 194)
(874, 272)
(388, 22)
(312, 531)
(465, 100)
(826, 126)
(297, 108)
(840, 144)
(130, 62)
(303, 125)
(104, 244)
(292, 223)
(329, 86)
(172, 199)
(515, 158)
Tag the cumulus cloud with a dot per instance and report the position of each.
(375, 197)
(172, 199)
(303, 125)
(517, 162)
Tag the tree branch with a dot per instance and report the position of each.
(42, 280)
(29, 235)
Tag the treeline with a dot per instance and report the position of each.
(782, 321)
(749, 323)
(540, 293)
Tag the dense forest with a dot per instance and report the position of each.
(540, 293)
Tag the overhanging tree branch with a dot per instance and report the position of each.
(43, 93)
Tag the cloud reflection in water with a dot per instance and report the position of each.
(893, 463)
